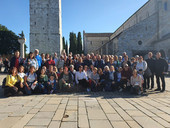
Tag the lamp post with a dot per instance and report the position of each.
(22, 42)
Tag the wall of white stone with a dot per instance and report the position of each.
(145, 31)
(144, 12)
(93, 43)
(164, 18)
(45, 26)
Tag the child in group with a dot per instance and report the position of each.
(21, 72)
(51, 85)
(42, 83)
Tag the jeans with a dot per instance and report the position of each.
(29, 92)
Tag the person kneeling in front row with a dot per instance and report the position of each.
(13, 84)
(30, 81)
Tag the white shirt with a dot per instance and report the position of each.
(88, 73)
(33, 62)
(21, 75)
(141, 65)
(80, 76)
(31, 77)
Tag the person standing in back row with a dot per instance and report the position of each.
(161, 67)
(151, 64)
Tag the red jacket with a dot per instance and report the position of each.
(50, 62)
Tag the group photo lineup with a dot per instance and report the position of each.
(85, 64)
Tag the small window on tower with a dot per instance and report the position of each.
(166, 6)
(140, 42)
(35, 23)
(91, 42)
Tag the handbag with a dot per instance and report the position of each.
(147, 72)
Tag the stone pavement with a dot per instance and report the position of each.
(87, 110)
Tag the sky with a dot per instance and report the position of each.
(92, 16)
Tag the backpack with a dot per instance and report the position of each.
(4, 83)
(28, 73)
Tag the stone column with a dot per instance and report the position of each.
(22, 42)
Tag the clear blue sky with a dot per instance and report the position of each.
(77, 15)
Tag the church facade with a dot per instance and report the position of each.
(45, 26)
(146, 30)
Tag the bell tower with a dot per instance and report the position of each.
(45, 26)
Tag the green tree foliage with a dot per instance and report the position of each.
(66, 47)
(8, 41)
(79, 43)
(64, 43)
(73, 43)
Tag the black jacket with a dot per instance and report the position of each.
(161, 66)
(151, 64)
(87, 62)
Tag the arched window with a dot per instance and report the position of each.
(140, 42)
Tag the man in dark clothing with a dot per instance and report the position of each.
(16, 61)
(87, 61)
(161, 67)
(99, 63)
(151, 65)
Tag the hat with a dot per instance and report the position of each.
(137, 56)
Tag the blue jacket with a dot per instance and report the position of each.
(39, 60)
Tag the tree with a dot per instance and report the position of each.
(73, 43)
(79, 43)
(66, 47)
(64, 44)
(8, 41)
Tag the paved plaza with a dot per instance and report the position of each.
(86, 110)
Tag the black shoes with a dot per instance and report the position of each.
(158, 89)
(162, 90)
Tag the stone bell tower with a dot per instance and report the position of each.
(45, 26)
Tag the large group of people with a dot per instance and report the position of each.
(47, 74)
